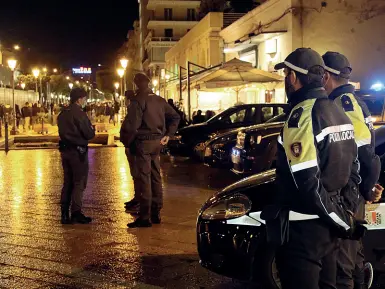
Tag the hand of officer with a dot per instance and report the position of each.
(164, 141)
(377, 193)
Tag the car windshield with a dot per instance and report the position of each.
(375, 105)
(222, 115)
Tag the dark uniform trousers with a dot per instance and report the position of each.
(348, 266)
(131, 158)
(75, 167)
(308, 260)
(147, 178)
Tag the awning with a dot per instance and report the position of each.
(233, 73)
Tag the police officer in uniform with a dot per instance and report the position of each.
(316, 159)
(149, 123)
(350, 258)
(75, 130)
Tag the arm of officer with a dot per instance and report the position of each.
(172, 120)
(85, 127)
(131, 123)
(370, 169)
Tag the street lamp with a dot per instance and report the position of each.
(16, 47)
(124, 64)
(45, 69)
(22, 85)
(116, 85)
(121, 73)
(54, 70)
(155, 82)
(12, 65)
(36, 73)
(67, 77)
(70, 85)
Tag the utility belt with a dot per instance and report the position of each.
(65, 146)
(148, 137)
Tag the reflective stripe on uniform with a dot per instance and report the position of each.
(363, 142)
(296, 68)
(280, 140)
(304, 165)
(333, 129)
(368, 119)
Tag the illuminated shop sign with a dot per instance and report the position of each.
(82, 70)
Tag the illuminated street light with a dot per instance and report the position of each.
(54, 70)
(22, 85)
(77, 82)
(12, 65)
(16, 47)
(36, 72)
(116, 85)
(45, 69)
(124, 62)
(155, 82)
(70, 85)
(99, 65)
(67, 77)
(120, 72)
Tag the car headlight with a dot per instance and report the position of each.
(212, 135)
(208, 152)
(229, 208)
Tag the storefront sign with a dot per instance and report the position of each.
(82, 70)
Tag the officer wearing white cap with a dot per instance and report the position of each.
(316, 159)
(350, 258)
(149, 123)
(75, 130)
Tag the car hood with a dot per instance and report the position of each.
(189, 128)
(252, 181)
(264, 126)
(221, 135)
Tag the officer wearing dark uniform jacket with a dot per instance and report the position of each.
(316, 159)
(75, 130)
(350, 258)
(149, 123)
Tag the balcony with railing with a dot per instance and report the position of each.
(153, 4)
(160, 41)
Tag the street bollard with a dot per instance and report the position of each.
(6, 133)
(42, 125)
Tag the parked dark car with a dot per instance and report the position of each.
(217, 152)
(231, 234)
(256, 148)
(186, 139)
(375, 102)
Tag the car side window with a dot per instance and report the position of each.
(280, 110)
(267, 113)
(238, 116)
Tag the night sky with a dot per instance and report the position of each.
(67, 33)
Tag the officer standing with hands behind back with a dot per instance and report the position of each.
(350, 257)
(75, 130)
(149, 123)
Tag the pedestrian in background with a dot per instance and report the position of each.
(26, 113)
(18, 116)
(75, 131)
(149, 123)
(199, 118)
(35, 111)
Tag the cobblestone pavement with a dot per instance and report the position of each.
(36, 251)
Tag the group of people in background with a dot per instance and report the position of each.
(106, 112)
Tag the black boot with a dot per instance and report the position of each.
(140, 223)
(155, 218)
(65, 216)
(78, 217)
(132, 206)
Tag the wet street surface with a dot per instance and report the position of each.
(36, 251)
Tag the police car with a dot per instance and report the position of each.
(231, 234)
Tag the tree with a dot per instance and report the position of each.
(243, 6)
(59, 85)
(208, 6)
(28, 79)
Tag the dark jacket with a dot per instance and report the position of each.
(358, 112)
(74, 126)
(26, 111)
(35, 110)
(149, 116)
(317, 158)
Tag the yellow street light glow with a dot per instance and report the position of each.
(54, 70)
(124, 63)
(12, 63)
(16, 47)
(70, 85)
(22, 85)
(36, 72)
(120, 72)
(77, 82)
(116, 85)
(45, 69)
(155, 82)
(67, 77)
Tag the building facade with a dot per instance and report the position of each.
(162, 24)
(267, 34)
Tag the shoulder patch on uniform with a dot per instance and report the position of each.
(295, 117)
(347, 103)
(296, 149)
